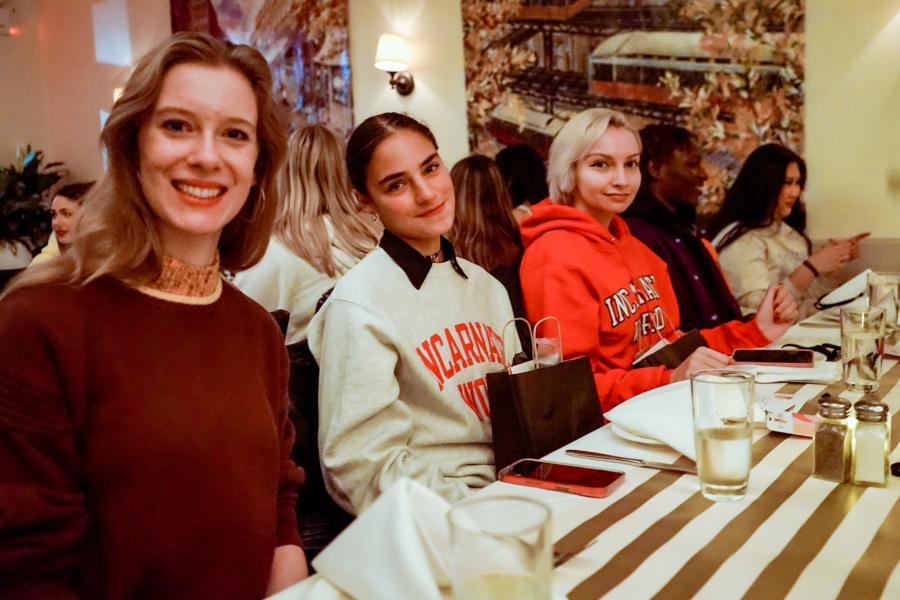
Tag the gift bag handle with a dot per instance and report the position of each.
(503, 336)
(555, 346)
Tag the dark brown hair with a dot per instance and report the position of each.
(75, 191)
(484, 231)
(366, 138)
(752, 199)
(524, 173)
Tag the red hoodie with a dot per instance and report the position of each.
(609, 291)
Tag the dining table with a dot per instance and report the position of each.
(792, 536)
(656, 536)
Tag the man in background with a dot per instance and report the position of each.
(663, 216)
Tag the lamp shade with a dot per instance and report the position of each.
(392, 54)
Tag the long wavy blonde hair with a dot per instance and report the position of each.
(316, 188)
(117, 234)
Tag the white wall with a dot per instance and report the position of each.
(55, 85)
(853, 116)
(434, 31)
(23, 99)
(79, 87)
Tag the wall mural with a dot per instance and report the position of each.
(304, 41)
(731, 71)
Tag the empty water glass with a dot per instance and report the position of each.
(501, 549)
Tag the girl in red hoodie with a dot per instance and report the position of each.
(610, 292)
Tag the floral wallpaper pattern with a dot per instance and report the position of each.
(304, 41)
(731, 71)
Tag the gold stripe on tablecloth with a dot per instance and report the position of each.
(874, 567)
(636, 498)
(779, 576)
(777, 579)
(631, 556)
(590, 529)
(695, 573)
(806, 543)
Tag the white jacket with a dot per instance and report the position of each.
(762, 257)
(284, 280)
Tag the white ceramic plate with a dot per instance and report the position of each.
(633, 437)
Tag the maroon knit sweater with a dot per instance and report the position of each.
(143, 445)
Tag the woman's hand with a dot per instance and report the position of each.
(701, 358)
(288, 568)
(777, 312)
(832, 257)
(853, 242)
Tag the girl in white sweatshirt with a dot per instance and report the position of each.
(406, 338)
(318, 236)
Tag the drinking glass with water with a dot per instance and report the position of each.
(862, 347)
(884, 292)
(722, 403)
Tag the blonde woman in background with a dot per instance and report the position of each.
(611, 293)
(319, 232)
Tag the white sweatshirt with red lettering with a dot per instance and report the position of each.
(402, 391)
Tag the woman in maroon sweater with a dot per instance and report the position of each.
(144, 438)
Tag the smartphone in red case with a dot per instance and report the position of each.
(584, 481)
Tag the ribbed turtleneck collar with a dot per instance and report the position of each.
(182, 282)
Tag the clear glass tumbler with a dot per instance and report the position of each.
(722, 402)
(862, 347)
(884, 292)
(501, 549)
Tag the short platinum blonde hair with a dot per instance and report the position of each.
(573, 142)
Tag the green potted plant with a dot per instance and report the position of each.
(24, 218)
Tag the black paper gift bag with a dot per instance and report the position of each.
(538, 409)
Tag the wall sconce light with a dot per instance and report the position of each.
(7, 20)
(392, 56)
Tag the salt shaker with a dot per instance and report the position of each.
(832, 439)
(871, 444)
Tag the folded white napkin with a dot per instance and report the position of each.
(311, 588)
(663, 414)
(852, 288)
(395, 549)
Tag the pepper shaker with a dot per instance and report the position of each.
(871, 444)
(832, 439)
